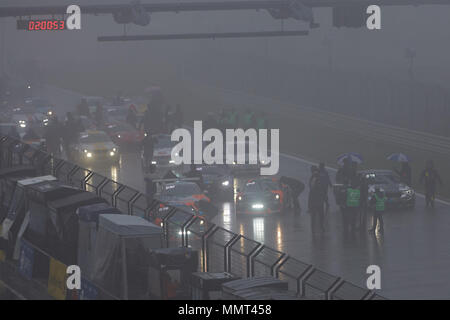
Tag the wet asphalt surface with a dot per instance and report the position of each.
(413, 253)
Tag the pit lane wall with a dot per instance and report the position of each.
(220, 250)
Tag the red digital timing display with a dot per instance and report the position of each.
(44, 25)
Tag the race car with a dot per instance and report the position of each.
(398, 194)
(261, 196)
(95, 146)
(217, 179)
(251, 152)
(25, 118)
(40, 105)
(124, 134)
(162, 151)
(116, 113)
(187, 196)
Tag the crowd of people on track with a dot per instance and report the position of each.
(353, 196)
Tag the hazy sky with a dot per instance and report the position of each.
(426, 29)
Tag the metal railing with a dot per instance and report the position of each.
(220, 250)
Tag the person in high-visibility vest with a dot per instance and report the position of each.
(352, 204)
(232, 118)
(261, 122)
(378, 203)
(247, 119)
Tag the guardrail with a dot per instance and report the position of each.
(220, 250)
(369, 129)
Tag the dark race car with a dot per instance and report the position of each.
(262, 196)
(398, 194)
(218, 180)
(187, 196)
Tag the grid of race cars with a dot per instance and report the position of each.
(212, 184)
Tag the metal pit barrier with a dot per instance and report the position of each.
(220, 250)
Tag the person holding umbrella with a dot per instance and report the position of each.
(405, 171)
(348, 164)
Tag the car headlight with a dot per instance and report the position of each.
(114, 150)
(153, 162)
(89, 155)
(119, 136)
(277, 196)
(257, 206)
(171, 161)
(407, 192)
(226, 183)
(239, 198)
(112, 153)
(50, 112)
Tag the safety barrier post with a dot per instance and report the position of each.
(184, 237)
(85, 180)
(115, 193)
(131, 202)
(227, 246)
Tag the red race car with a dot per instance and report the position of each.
(124, 134)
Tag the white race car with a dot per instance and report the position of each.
(95, 146)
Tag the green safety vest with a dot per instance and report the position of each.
(380, 203)
(232, 118)
(260, 123)
(248, 118)
(353, 197)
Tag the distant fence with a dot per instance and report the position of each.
(402, 103)
(220, 250)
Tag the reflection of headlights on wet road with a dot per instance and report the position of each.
(257, 206)
(226, 183)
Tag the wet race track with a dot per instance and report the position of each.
(413, 253)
